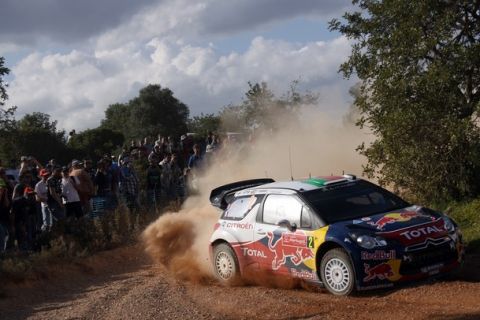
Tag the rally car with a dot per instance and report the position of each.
(338, 231)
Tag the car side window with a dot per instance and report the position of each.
(240, 207)
(282, 207)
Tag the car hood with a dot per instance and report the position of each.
(408, 225)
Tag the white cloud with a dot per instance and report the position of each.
(169, 43)
(76, 87)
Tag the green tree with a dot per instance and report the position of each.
(4, 71)
(37, 135)
(117, 118)
(419, 66)
(258, 105)
(94, 143)
(261, 109)
(156, 110)
(7, 129)
(203, 124)
(40, 121)
(7, 117)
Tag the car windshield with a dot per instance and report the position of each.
(352, 200)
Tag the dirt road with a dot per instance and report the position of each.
(123, 284)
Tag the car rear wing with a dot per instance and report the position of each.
(218, 196)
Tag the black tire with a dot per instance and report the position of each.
(225, 264)
(336, 272)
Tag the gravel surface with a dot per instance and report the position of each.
(123, 284)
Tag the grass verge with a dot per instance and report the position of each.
(467, 215)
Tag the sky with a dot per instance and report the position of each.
(72, 59)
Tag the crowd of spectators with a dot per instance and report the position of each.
(42, 195)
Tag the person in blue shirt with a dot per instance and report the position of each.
(195, 160)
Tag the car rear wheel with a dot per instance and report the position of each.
(225, 263)
(337, 272)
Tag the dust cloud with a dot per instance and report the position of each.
(317, 144)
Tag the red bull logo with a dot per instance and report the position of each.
(380, 271)
(390, 218)
(286, 247)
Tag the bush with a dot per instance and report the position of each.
(467, 215)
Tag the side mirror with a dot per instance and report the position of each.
(292, 227)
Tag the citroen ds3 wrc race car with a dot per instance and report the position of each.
(339, 231)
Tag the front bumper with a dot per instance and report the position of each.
(383, 268)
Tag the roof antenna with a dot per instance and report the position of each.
(310, 175)
(343, 172)
(290, 159)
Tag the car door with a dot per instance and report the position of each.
(286, 249)
(238, 220)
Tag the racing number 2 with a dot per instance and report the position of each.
(310, 242)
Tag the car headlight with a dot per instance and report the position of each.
(448, 224)
(369, 242)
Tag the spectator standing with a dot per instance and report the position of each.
(24, 212)
(186, 145)
(133, 147)
(159, 140)
(124, 154)
(41, 191)
(24, 165)
(5, 217)
(55, 202)
(51, 164)
(113, 178)
(176, 177)
(163, 145)
(209, 139)
(215, 143)
(156, 155)
(104, 185)
(32, 220)
(171, 146)
(30, 165)
(88, 168)
(154, 189)
(148, 145)
(70, 135)
(73, 206)
(85, 187)
(166, 176)
(195, 160)
(129, 185)
(142, 149)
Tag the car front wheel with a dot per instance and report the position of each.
(225, 263)
(337, 272)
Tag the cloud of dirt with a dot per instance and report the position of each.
(318, 145)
